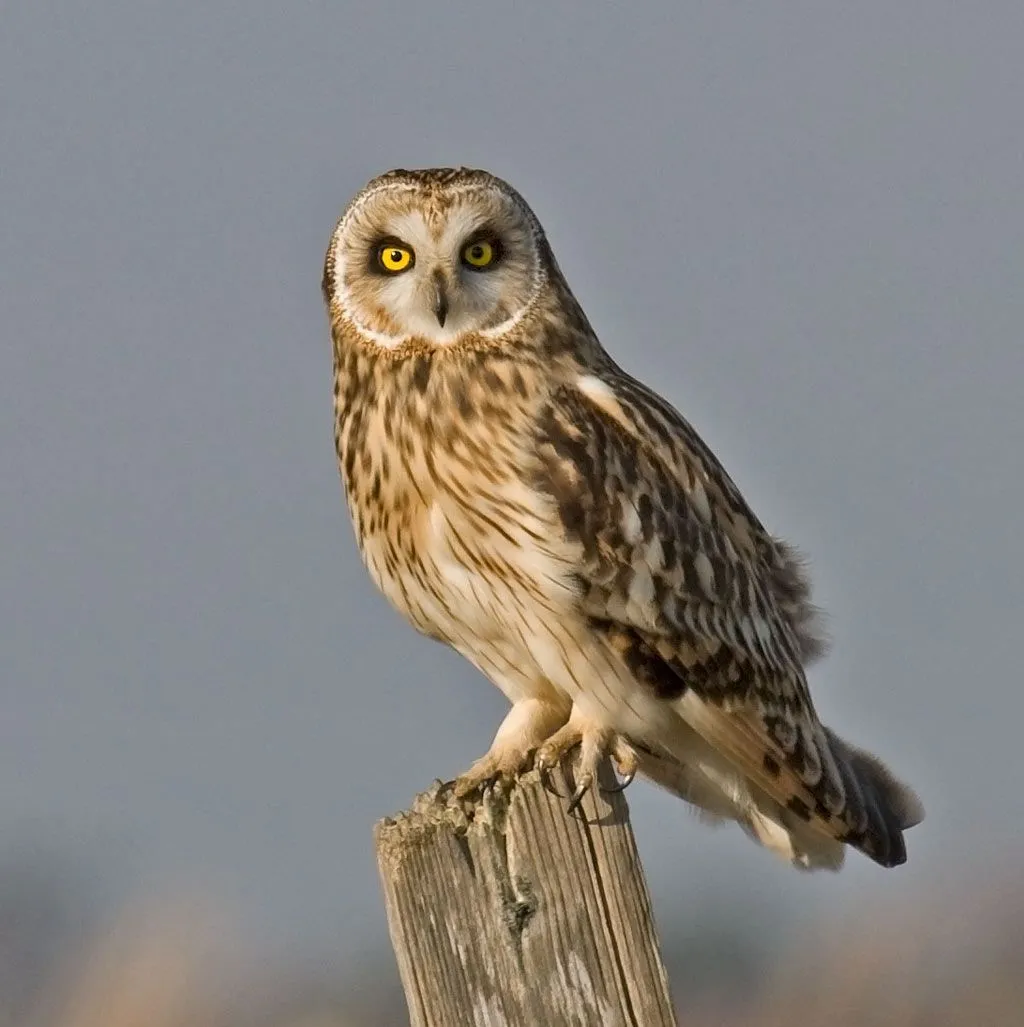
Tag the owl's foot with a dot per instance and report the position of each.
(527, 724)
(595, 743)
(498, 767)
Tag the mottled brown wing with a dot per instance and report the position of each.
(706, 607)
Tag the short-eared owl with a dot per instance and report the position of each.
(518, 496)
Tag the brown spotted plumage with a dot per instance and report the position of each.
(519, 497)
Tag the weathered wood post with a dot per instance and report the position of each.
(512, 913)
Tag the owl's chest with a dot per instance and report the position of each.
(447, 527)
(441, 575)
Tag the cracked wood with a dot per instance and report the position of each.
(510, 913)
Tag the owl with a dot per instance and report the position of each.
(518, 496)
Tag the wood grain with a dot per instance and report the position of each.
(511, 913)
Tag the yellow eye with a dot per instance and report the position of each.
(480, 254)
(394, 257)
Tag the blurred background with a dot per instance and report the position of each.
(803, 222)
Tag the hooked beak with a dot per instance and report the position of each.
(440, 299)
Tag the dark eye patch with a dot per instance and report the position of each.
(483, 236)
(381, 245)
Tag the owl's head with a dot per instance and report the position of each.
(433, 256)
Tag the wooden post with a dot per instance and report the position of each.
(512, 913)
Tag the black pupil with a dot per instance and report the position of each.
(478, 252)
(396, 256)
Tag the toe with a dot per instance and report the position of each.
(498, 767)
(554, 750)
(482, 771)
(626, 763)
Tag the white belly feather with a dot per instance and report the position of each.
(522, 631)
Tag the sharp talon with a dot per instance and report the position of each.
(593, 742)
(621, 786)
(577, 797)
(548, 758)
(544, 769)
(626, 764)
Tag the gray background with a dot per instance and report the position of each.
(803, 222)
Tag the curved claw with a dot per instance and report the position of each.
(626, 762)
(577, 797)
(588, 782)
(620, 786)
(551, 754)
(544, 769)
(594, 742)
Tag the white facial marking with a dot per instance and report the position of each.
(408, 297)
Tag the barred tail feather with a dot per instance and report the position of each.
(882, 807)
(872, 811)
(721, 794)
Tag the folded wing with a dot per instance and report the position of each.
(709, 610)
